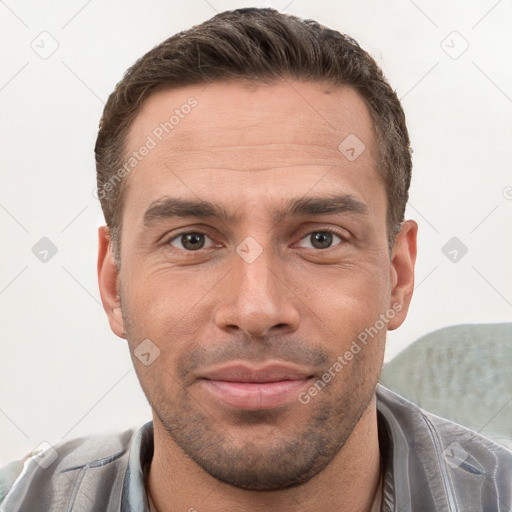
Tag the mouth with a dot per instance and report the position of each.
(251, 388)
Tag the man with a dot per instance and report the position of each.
(253, 172)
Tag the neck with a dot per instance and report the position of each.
(348, 483)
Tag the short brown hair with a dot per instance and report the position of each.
(258, 45)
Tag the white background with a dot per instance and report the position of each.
(63, 373)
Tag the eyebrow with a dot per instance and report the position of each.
(170, 207)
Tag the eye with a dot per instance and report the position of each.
(190, 241)
(321, 239)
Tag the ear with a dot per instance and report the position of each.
(403, 258)
(108, 279)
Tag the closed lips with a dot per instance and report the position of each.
(250, 388)
(242, 373)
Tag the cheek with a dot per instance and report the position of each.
(164, 299)
(345, 300)
(348, 316)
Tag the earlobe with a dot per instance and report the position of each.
(403, 259)
(108, 280)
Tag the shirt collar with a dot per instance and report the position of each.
(134, 497)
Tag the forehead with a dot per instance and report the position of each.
(247, 114)
(255, 138)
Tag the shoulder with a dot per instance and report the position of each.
(457, 464)
(50, 471)
(416, 420)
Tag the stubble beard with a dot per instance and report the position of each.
(281, 460)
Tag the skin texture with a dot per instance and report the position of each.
(251, 149)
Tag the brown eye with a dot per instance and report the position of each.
(192, 241)
(321, 239)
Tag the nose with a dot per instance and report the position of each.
(256, 298)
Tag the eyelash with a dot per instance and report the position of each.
(343, 238)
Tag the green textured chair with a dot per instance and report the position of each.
(462, 373)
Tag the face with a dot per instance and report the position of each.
(255, 260)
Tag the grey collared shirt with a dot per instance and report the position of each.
(430, 464)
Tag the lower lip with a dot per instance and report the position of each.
(256, 395)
